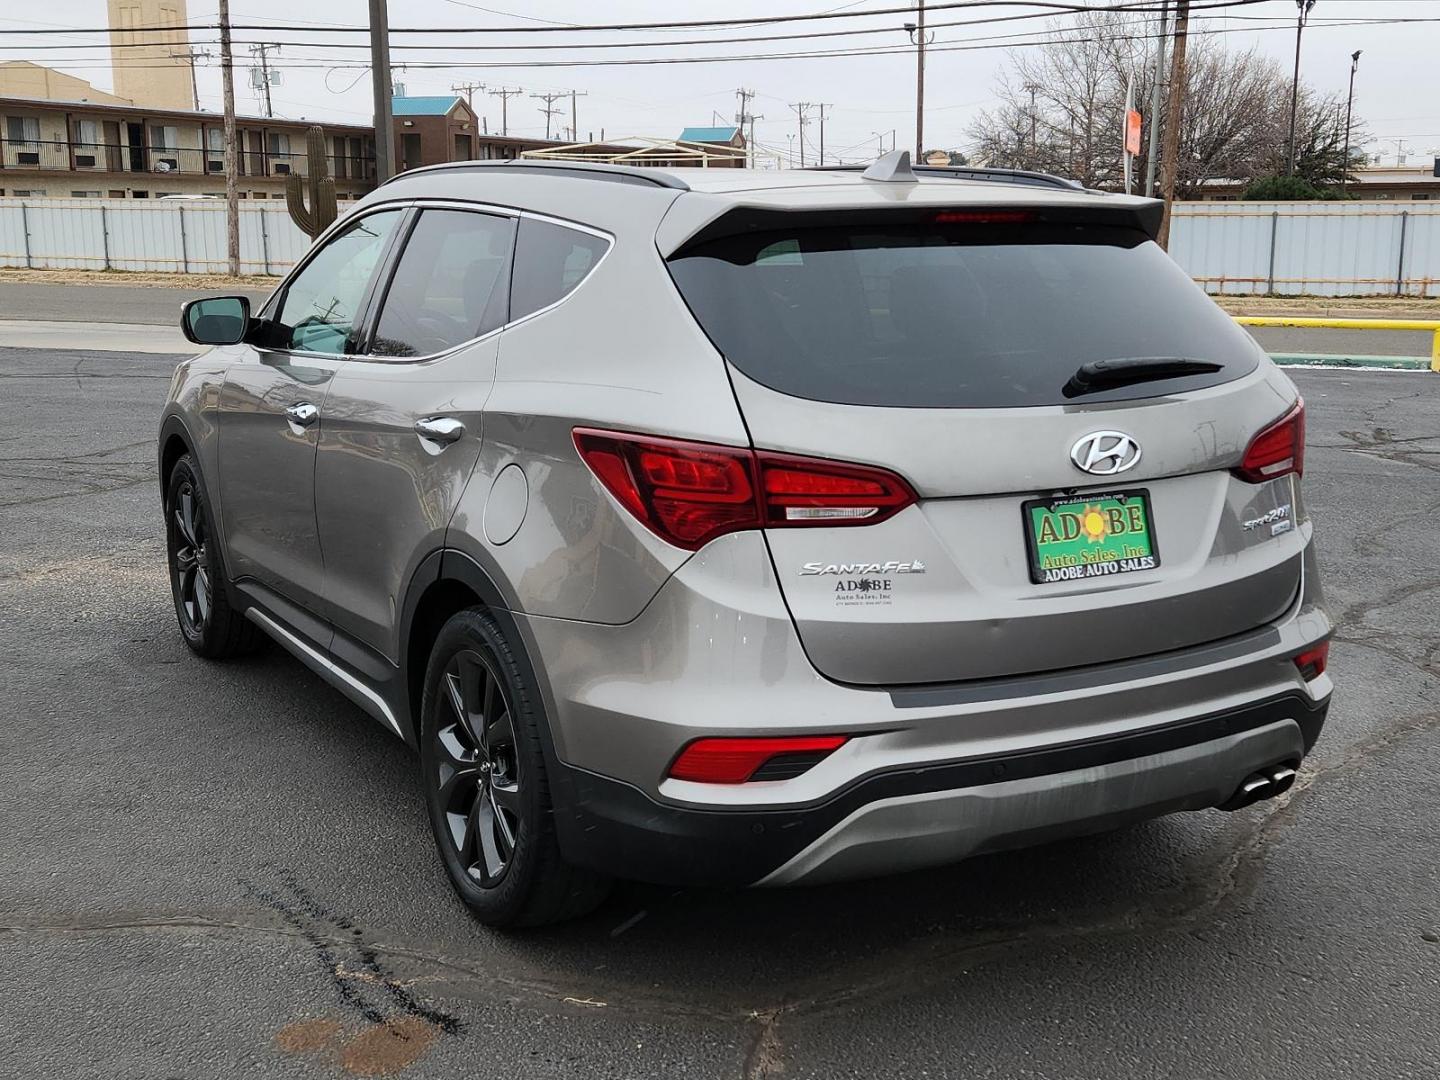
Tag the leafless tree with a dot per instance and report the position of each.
(1060, 109)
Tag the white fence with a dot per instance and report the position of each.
(1324, 249)
(184, 236)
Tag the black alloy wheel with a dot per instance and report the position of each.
(191, 560)
(477, 770)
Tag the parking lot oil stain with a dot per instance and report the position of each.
(376, 1050)
(399, 1027)
(388, 1048)
(308, 1036)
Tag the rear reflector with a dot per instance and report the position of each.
(1278, 450)
(688, 493)
(1312, 662)
(734, 761)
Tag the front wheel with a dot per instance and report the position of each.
(483, 775)
(209, 625)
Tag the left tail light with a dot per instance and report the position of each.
(1278, 450)
(688, 493)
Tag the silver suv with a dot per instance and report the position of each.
(732, 527)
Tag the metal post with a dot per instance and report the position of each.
(380, 79)
(1400, 268)
(1349, 101)
(25, 231)
(105, 236)
(184, 243)
(264, 240)
(1152, 151)
(1274, 232)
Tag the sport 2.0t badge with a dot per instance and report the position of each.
(1105, 453)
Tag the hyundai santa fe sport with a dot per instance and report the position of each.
(719, 527)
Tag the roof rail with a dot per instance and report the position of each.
(985, 175)
(580, 170)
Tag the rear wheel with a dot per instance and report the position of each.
(197, 581)
(483, 775)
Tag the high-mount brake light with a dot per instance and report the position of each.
(688, 493)
(985, 217)
(1278, 450)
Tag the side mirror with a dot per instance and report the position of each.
(216, 320)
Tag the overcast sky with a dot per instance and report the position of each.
(1397, 90)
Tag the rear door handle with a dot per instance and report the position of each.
(302, 414)
(439, 429)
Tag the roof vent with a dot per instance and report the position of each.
(893, 168)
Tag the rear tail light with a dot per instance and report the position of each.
(736, 761)
(1312, 662)
(1278, 450)
(688, 493)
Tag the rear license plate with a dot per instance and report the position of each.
(1092, 536)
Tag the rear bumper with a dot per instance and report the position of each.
(908, 818)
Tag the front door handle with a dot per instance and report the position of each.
(302, 414)
(439, 429)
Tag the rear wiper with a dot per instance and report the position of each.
(1104, 374)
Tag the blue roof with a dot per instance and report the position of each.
(422, 106)
(707, 134)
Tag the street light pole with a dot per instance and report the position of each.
(1304, 6)
(1349, 101)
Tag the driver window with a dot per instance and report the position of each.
(321, 302)
(451, 284)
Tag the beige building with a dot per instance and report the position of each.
(76, 149)
(22, 79)
(150, 57)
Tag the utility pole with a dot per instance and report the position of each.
(802, 109)
(750, 142)
(916, 31)
(1349, 101)
(381, 90)
(574, 123)
(232, 196)
(1304, 6)
(822, 109)
(468, 89)
(742, 117)
(505, 95)
(1159, 77)
(190, 56)
(549, 109)
(1034, 143)
(1172, 116)
(263, 52)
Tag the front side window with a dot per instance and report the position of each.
(321, 302)
(550, 260)
(450, 285)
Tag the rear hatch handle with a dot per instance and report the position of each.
(1121, 371)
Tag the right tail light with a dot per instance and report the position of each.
(688, 493)
(1278, 450)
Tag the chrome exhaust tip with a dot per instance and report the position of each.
(1264, 784)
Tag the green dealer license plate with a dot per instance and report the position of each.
(1094, 536)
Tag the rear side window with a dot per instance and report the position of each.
(450, 284)
(550, 260)
(952, 315)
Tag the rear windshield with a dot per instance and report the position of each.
(969, 315)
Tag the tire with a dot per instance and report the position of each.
(482, 770)
(209, 625)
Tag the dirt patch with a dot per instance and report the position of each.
(1337, 307)
(138, 277)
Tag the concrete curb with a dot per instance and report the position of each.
(1399, 363)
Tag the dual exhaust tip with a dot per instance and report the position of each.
(1265, 784)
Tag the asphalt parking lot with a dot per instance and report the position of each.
(224, 870)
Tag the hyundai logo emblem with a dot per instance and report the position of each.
(1105, 453)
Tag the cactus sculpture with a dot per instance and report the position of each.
(322, 210)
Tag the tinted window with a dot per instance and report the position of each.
(952, 315)
(321, 302)
(550, 260)
(449, 286)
